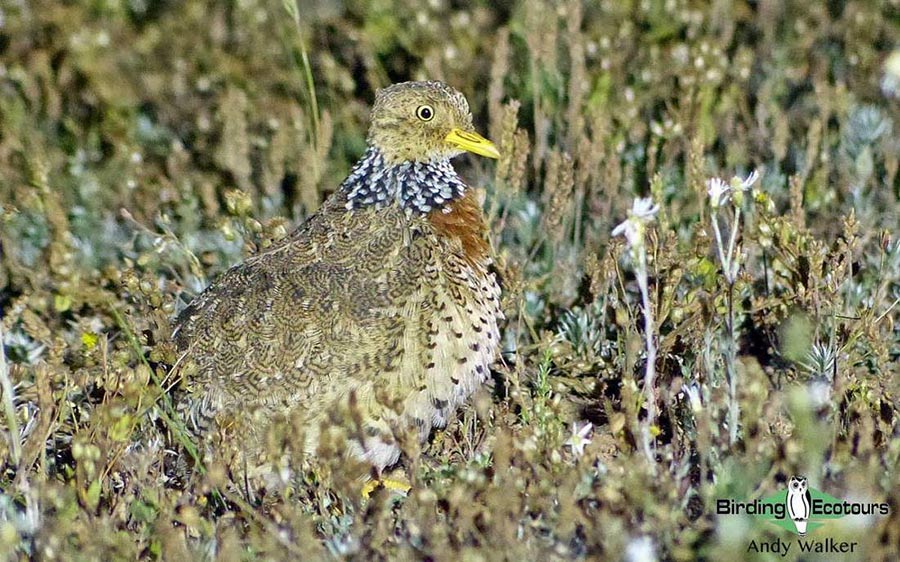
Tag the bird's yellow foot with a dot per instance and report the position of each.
(398, 486)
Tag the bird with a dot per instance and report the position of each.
(384, 304)
(798, 503)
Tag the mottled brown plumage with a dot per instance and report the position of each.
(382, 304)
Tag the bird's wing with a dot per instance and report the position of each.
(327, 309)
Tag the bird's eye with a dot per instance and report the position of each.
(425, 112)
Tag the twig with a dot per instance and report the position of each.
(9, 408)
(650, 373)
(167, 412)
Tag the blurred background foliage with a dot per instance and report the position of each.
(146, 146)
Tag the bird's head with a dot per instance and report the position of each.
(798, 483)
(424, 122)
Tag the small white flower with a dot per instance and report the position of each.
(642, 212)
(644, 209)
(718, 192)
(579, 438)
(630, 231)
(745, 184)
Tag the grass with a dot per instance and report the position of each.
(147, 146)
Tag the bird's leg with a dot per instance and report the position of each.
(398, 486)
(378, 481)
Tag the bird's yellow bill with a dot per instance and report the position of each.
(472, 142)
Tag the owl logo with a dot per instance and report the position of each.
(798, 503)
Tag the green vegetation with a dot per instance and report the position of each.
(146, 146)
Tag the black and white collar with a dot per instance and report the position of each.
(418, 187)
